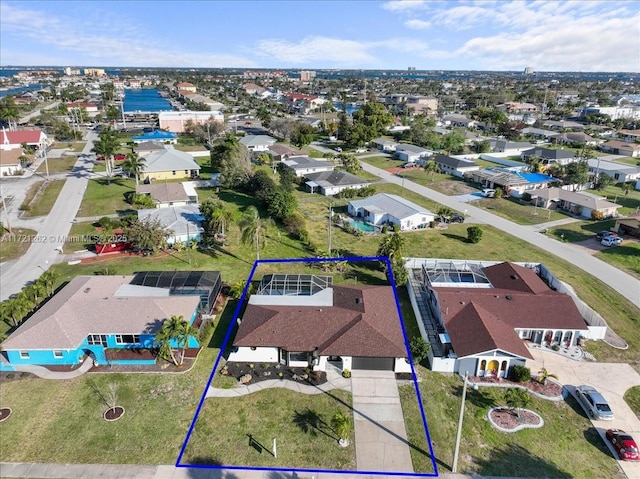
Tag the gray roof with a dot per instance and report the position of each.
(506, 144)
(549, 154)
(148, 146)
(164, 192)
(335, 178)
(383, 141)
(453, 162)
(303, 162)
(604, 165)
(410, 148)
(169, 160)
(181, 219)
(578, 197)
(392, 204)
(257, 140)
(90, 305)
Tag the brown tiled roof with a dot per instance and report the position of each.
(10, 157)
(88, 305)
(164, 192)
(363, 321)
(514, 277)
(475, 330)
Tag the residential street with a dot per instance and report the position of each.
(51, 231)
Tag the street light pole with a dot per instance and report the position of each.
(6, 213)
(456, 451)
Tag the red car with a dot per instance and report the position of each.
(119, 157)
(624, 444)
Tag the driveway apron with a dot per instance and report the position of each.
(381, 436)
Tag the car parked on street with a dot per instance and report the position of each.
(611, 241)
(457, 218)
(119, 157)
(624, 444)
(594, 403)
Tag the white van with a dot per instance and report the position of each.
(488, 193)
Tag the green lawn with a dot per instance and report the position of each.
(44, 199)
(100, 198)
(632, 398)
(58, 165)
(626, 257)
(511, 209)
(628, 161)
(566, 446)
(300, 424)
(183, 147)
(580, 230)
(382, 162)
(76, 146)
(630, 203)
(15, 245)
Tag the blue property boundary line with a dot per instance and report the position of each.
(384, 259)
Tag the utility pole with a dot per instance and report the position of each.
(6, 213)
(456, 451)
(329, 229)
(124, 123)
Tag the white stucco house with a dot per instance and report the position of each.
(385, 209)
(184, 222)
(257, 142)
(307, 321)
(303, 165)
(411, 153)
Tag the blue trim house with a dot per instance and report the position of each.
(156, 135)
(94, 314)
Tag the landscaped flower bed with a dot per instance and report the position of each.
(250, 373)
(550, 390)
(508, 420)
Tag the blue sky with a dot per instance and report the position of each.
(429, 35)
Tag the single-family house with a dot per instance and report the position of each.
(383, 144)
(10, 163)
(169, 194)
(628, 225)
(307, 321)
(563, 125)
(184, 222)
(157, 136)
(511, 180)
(419, 104)
(479, 316)
(333, 182)
(280, 152)
(575, 138)
(517, 107)
(458, 121)
(90, 107)
(575, 202)
(257, 142)
(624, 148)
(96, 317)
(454, 166)
(630, 136)
(186, 87)
(303, 165)
(176, 121)
(509, 147)
(549, 156)
(169, 164)
(539, 134)
(620, 172)
(386, 209)
(411, 153)
(146, 147)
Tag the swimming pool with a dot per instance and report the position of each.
(362, 226)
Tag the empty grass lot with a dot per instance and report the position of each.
(103, 199)
(513, 210)
(566, 446)
(76, 146)
(630, 202)
(14, 245)
(300, 423)
(41, 197)
(58, 165)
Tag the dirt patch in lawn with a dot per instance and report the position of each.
(452, 187)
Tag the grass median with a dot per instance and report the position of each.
(41, 197)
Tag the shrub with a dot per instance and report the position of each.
(385, 228)
(206, 332)
(419, 349)
(597, 215)
(521, 374)
(526, 197)
(303, 235)
(474, 234)
(346, 373)
(396, 228)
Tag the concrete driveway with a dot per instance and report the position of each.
(381, 436)
(611, 379)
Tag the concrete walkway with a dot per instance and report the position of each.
(380, 432)
(45, 373)
(622, 282)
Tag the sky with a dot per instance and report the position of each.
(583, 35)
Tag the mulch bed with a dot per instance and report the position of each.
(265, 371)
(508, 419)
(113, 413)
(551, 389)
(129, 354)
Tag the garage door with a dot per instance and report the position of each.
(377, 364)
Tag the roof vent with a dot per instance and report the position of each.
(496, 296)
(358, 300)
(86, 290)
(461, 302)
(513, 276)
(509, 297)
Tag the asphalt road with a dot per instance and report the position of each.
(44, 251)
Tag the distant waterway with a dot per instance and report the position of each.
(145, 100)
(350, 108)
(22, 89)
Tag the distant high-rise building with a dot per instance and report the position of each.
(529, 71)
(94, 72)
(411, 69)
(307, 75)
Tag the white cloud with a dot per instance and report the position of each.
(316, 49)
(95, 40)
(463, 17)
(404, 5)
(416, 24)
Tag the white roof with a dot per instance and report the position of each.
(181, 219)
(257, 140)
(394, 205)
(169, 160)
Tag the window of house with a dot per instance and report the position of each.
(127, 338)
(186, 172)
(173, 173)
(57, 353)
(97, 339)
(299, 356)
(24, 354)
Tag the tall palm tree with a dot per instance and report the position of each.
(17, 308)
(254, 229)
(433, 167)
(35, 291)
(106, 147)
(134, 164)
(170, 331)
(49, 279)
(185, 332)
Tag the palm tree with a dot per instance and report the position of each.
(49, 279)
(185, 332)
(17, 308)
(35, 291)
(221, 216)
(433, 167)
(341, 424)
(391, 245)
(517, 399)
(170, 331)
(134, 164)
(444, 213)
(254, 229)
(626, 188)
(106, 147)
(544, 375)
